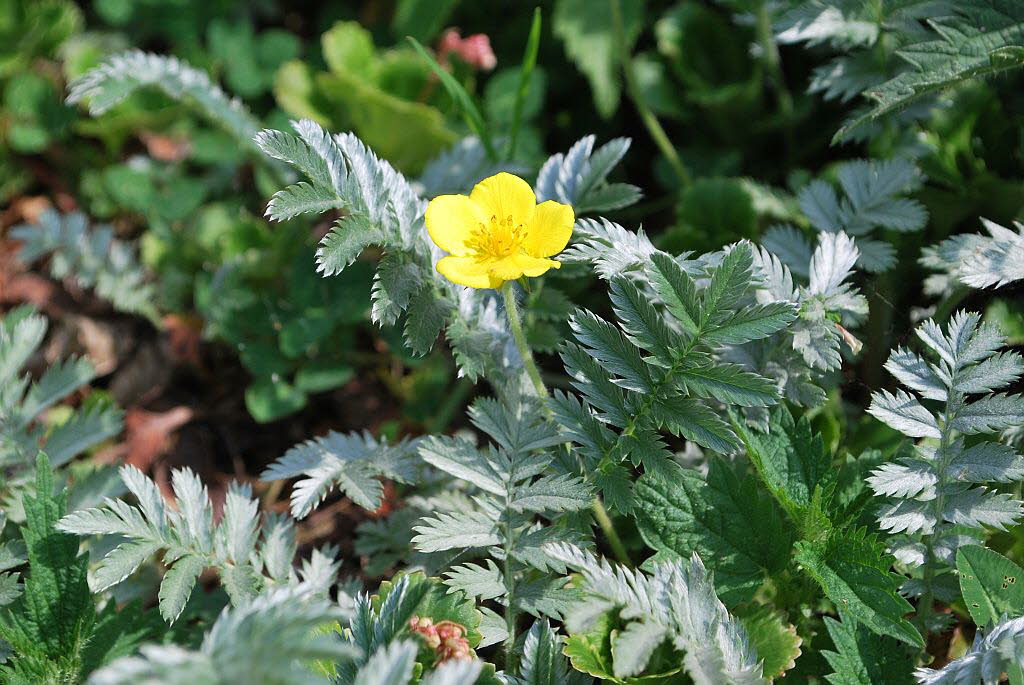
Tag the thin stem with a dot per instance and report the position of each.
(654, 128)
(773, 66)
(515, 325)
(610, 534)
(510, 584)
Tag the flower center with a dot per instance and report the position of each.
(497, 239)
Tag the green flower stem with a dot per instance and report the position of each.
(515, 325)
(651, 122)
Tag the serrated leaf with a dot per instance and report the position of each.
(865, 658)
(854, 573)
(724, 519)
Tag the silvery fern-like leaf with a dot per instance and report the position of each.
(460, 672)
(677, 598)
(579, 177)
(939, 483)
(994, 652)
(459, 168)
(121, 75)
(246, 561)
(873, 197)
(791, 246)
(91, 257)
(22, 402)
(389, 665)
(461, 530)
(273, 640)
(610, 248)
(483, 581)
(904, 413)
(978, 261)
(543, 662)
(351, 462)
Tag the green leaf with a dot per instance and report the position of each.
(525, 80)
(854, 571)
(984, 38)
(177, 585)
(791, 460)
(865, 658)
(588, 32)
(426, 317)
(729, 383)
(271, 398)
(591, 653)
(53, 618)
(470, 112)
(992, 585)
(676, 289)
(776, 642)
(725, 519)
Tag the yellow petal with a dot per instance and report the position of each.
(549, 232)
(451, 220)
(467, 271)
(513, 267)
(504, 195)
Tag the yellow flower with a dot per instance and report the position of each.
(498, 233)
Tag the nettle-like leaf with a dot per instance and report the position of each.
(724, 518)
(862, 657)
(675, 604)
(853, 569)
(22, 402)
(54, 631)
(351, 462)
(91, 257)
(579, 177)
(276, 638)
(657, 370)
(794, 465)
(520, 503)
(993, 653)
(936, 490)
(119, 76)
(874, 196)
(978, 261)
(982, 38)
(249, 558)
(992, 585)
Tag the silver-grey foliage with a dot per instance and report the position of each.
(977, 261)
(677, 604)
(874, 197)
(248, 557)
(936, 491)
(520, 503)
(351, 462)
(274, 639)
(90, 257)
(121, 75)
(994, 652)
(579, 177)
(23, 401)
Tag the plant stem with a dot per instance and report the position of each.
(610, 534)
(773, 66)
(515, 325)
(650, 121)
